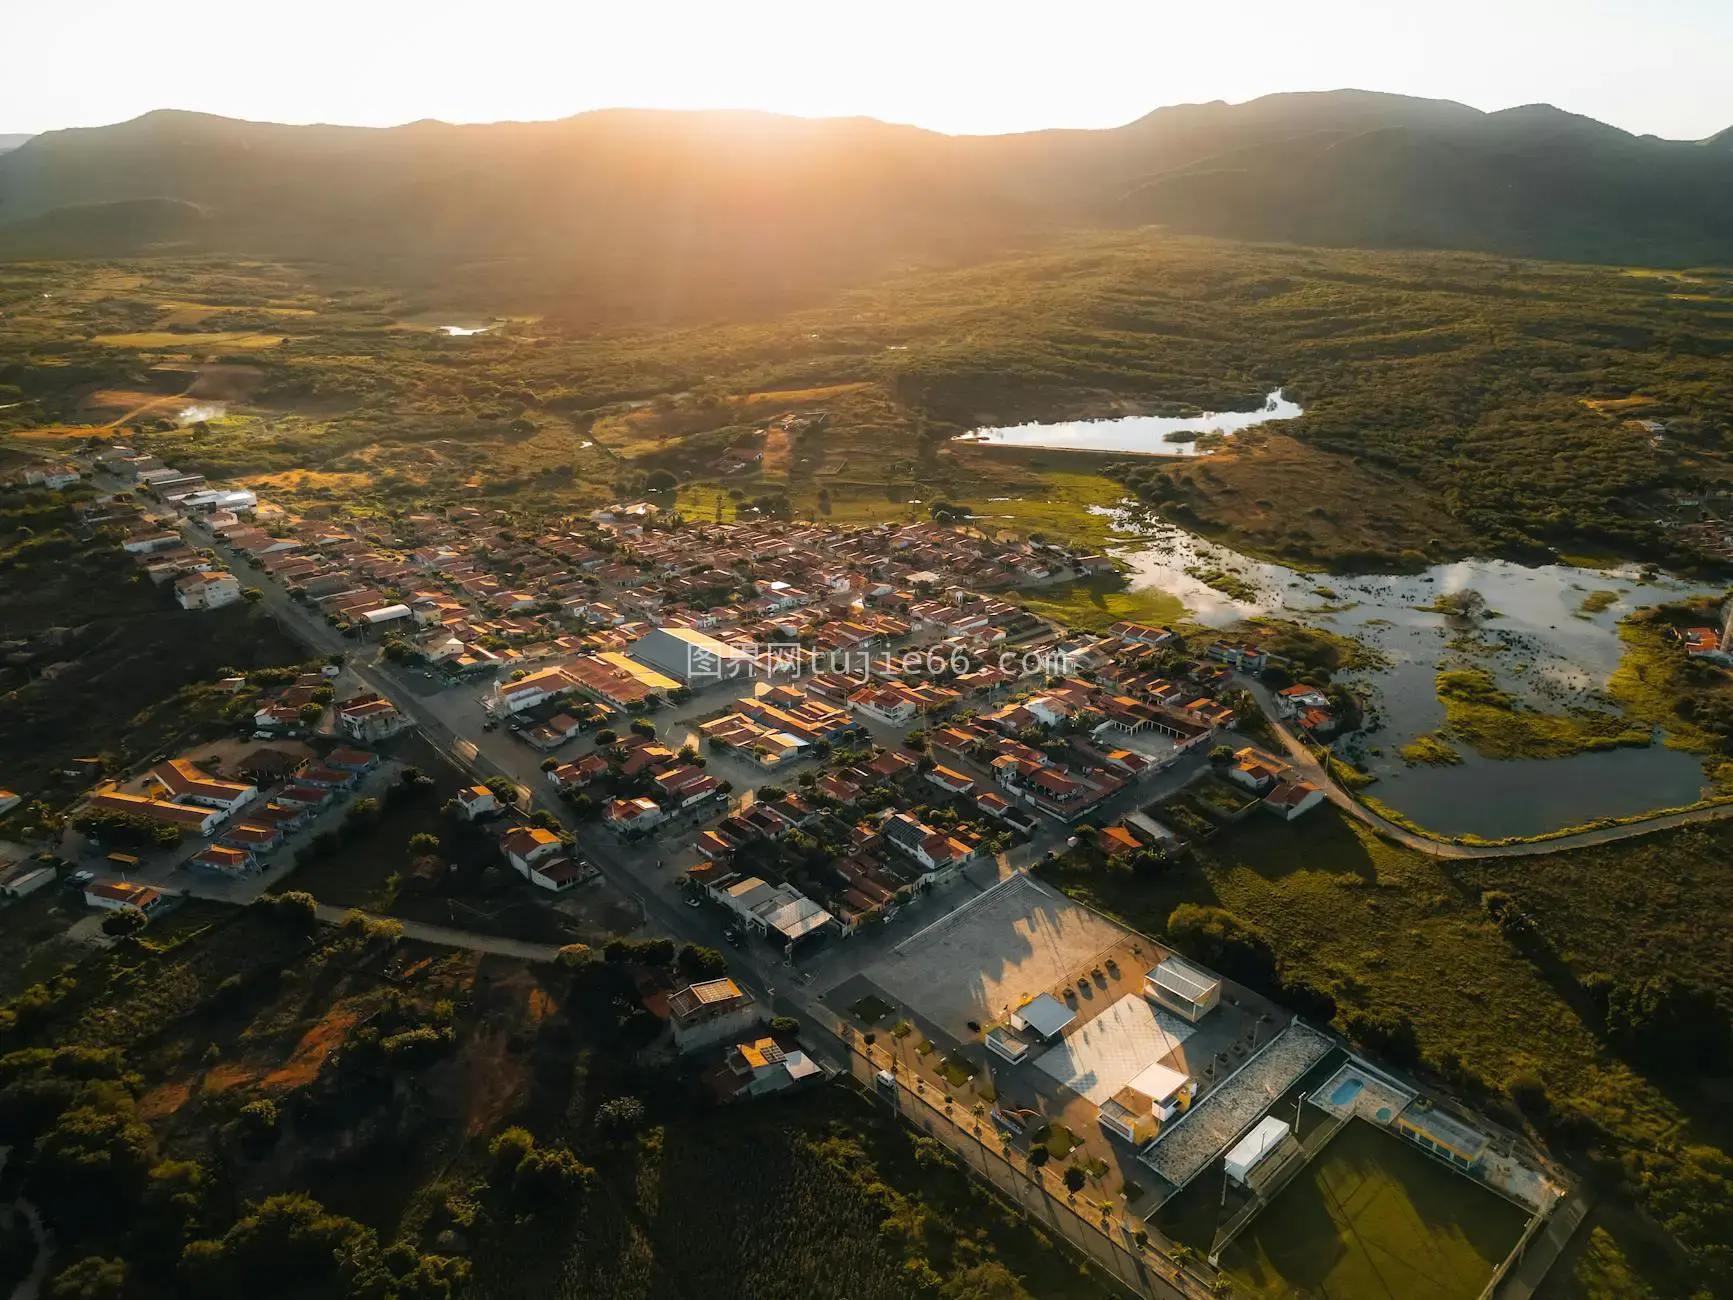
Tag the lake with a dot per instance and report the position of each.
(1542, 646)
(1141, 435)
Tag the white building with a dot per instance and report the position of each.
(207, 590)
(1186, 990)
(477, 801)
(766, 908)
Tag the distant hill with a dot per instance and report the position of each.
(12, 141)
(651, 213)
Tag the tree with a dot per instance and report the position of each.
(1389, 1033)
(643, 727)
(422, 843)
(124, 922)
(252, 595)
(257, 1124)
(310, 713)
(295, 910)
(785, 1026)
(1074, 1179)
(621, 1116)
(660, 480)
(91, 1278)
(1664, 1022)
(698, 963)
(533, 1177)
(606, 737)
(1039, 1155)
(91, 1156)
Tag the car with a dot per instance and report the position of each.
(731, 938)
(490, 725)
(886, 1080)
(694, 901)
(79, 879)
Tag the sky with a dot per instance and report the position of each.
(963, 66)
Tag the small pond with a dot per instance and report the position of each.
(1144, 435)
(1538, 640)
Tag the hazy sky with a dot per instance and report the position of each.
(1657, 66)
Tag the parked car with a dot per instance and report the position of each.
(79, 879)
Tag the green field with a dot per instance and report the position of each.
(1374, 1218)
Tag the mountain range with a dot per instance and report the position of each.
(651, 212)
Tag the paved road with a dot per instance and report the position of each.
(1344, 799)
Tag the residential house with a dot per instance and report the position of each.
(112, 897)
(709, 1012)
(476, 802)
(207, 590)
(184, 783)
(763, 1066)
(370, 718)
(638, 814)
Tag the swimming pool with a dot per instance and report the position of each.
(1346, 1091)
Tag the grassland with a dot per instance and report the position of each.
(1395, 932)
(1098, 602)
(1391, 466)
(1374, 1218)
(1497, 725)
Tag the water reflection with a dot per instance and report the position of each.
(1148, 435)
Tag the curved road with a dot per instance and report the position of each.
(1440, 848)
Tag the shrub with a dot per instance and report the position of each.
(700, 963)
(1388, 1033)
(1074, 1179)
(786, 1025)
(295, 910)
(124, 922)
(91, 1278)
(1039, 1155)
(620, 1116)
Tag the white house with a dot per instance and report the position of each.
(207, 590)
(527, 692)
(112, 897)
(525, 846)
(477, 801)
(763, 1066)
(369, 717)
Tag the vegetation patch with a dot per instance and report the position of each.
(1229, 583)
(1098, 602)
(1497, 725)
(1597, 601)
(1657, 683)
(1430, 751)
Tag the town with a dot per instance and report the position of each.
(841, 754)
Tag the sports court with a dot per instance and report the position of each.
(1104, 1054)
(1376, 1218)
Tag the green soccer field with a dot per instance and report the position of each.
(1375, 1218)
